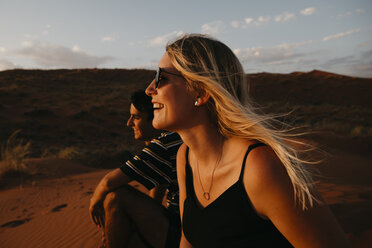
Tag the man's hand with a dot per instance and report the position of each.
(97, 212)
(109, 182)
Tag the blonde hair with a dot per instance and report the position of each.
(209, 65)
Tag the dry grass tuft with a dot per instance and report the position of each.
(13, 153)
(68, 153)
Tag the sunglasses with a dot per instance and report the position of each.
(158, 76)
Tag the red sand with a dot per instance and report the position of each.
(53, 212)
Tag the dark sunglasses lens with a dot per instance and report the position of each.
(157, 78)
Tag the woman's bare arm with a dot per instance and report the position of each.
(270, 190)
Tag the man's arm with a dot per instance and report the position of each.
(158, 193)
(108, 183)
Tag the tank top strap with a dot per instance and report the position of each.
(250, 148)
(187, 155)
(189, 179)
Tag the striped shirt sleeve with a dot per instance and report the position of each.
(156, 164)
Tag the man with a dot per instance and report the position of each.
(128, 217)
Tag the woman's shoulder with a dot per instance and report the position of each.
(265, 178)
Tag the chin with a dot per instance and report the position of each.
(156, 124)
(162, 125)
(137, 137)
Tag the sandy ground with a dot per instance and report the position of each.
(53, 212)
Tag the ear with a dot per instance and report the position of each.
(202, 98)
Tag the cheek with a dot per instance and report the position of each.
(137, 124)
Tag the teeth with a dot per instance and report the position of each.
(157, 105)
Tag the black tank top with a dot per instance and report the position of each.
(230, 220)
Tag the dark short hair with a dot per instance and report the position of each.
(142, 102)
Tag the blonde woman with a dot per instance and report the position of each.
(242, 183)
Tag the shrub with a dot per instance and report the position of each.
(67, 152)
(13, 153)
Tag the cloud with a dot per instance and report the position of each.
(262, 19)
(359, 65)
(335, 62)
(242, 24)
(107, 39)
(308, 11)
(283, 56)
(284, 17)
(363, 67)
(362, 70)
(57, 56)
(248, 20)
(235, 24)
(2, 50)
(212, 28)
(280, 52)
(6, 65)
(162, 40)
(340, 35)
(352, 12)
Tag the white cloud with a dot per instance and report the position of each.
(57, 56)
(340, 35)
(284, 17)
(352, 12)
(308, 11)
(162, 40)
(235, 24)
(262, 20)
(212, 28)
(27, 43)
(263, 57)
(242, 24)
(76, 48)
(108, 39)
(248, 20)
(6, 65)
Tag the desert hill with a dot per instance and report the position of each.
(83, 109)
(87, 109)
(311, 88)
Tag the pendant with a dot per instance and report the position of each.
(206, 195)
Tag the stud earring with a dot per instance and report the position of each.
(196, 103)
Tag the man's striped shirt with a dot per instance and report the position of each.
(156, 165)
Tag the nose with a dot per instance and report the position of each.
(150, 90)
(130, 122)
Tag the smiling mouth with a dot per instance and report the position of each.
(157, 106)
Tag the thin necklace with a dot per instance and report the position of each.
(206, 194)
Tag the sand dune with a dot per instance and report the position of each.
(53, 212)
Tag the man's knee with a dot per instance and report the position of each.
(118, 198)
(111, 201)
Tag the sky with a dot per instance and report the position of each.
(277, 36)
